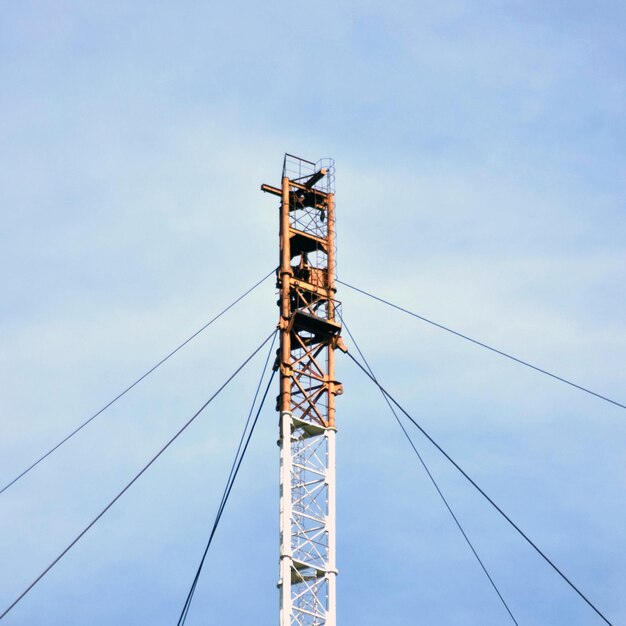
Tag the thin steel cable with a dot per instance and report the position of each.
(432, 478)
(484, 345)
(123, 393)
(482, 493)
(229, 485)
(136, 477)
(254, 399)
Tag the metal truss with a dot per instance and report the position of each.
(307, 539)
(310, 334)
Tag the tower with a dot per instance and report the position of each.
(309, 334)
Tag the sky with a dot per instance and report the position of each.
(480, 182)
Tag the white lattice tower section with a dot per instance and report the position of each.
(308, 570)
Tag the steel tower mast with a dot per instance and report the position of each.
(309, 335)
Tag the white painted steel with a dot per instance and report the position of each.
(307, 524)
(284, 582)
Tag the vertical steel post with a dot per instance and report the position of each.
(309, 334)
(284, 281)
(284, 405)
(286, 564)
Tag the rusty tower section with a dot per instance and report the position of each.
(309, 334)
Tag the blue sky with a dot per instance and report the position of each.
(480, 181)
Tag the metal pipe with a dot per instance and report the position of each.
(285, 305)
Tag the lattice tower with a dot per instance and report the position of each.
(309, 335)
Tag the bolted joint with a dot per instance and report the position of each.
(338, 343)
(335, 388)
(286, 370)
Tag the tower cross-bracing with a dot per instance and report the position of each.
(309, 334)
